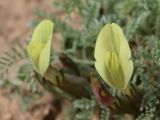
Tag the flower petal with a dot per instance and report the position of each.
(43, 31)
(40, 46)
(104, 73)
(125, 59)
(106, 41)
(108, 58)
(44, 58)
(116, 72)
(112, 54)
(34, 51)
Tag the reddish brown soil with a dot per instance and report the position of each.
(15, 16)
(46, 108)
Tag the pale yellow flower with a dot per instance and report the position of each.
(113, 57)
(39, 47)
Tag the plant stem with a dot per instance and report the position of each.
(74, 85)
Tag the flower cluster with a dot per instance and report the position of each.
(112, 53)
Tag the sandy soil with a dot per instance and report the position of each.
(14, 19)
(46, 108)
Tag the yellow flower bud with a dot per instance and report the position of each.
(113, 57)
(39, 47)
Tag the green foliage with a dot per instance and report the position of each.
(11, 57)
(16, 61)
(85, 108)
(104, 113)
(84, 104)
(150, 111)
(10, 60)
